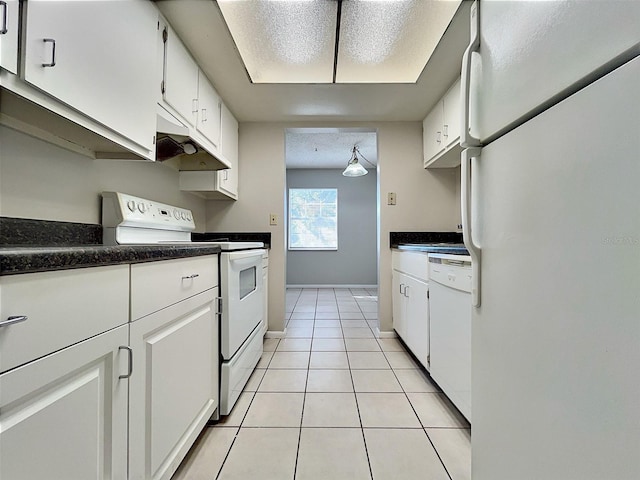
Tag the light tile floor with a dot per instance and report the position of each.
(332, 401)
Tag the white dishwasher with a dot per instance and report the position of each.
(450, 327)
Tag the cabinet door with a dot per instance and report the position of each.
(64, 416)
(208, 116)
(452, 114)
(86, 56)
(9, 35)
(417, 315)
(174, 386)
(180, 78)
(229, 147)
(432, 138)
(398, 284)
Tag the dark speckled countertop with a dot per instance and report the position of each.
(28, 259)
(428, 242)
(28, 246)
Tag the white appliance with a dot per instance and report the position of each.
(550, 197)
(243, 317)
(450, 327)
(130, 220)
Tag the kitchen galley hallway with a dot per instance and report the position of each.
(332, 401)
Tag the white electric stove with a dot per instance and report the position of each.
(129, 220)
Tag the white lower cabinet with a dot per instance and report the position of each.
(417, 314)
(410, 300)
(399, 302)
(64, 416)
(174, 385)
(82, 398)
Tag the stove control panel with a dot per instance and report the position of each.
(123, 210)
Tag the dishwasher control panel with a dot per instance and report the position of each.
(454, 271)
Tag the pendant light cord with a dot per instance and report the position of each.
(357, 150)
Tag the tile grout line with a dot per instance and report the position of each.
(355, 396)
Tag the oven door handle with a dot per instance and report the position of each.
(246, 254)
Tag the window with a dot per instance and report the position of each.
(313, 219)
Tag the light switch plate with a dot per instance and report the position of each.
(273, 219)
(391, 198)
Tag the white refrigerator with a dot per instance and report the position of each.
(551, 217)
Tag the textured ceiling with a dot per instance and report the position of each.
(200, 25)
(328, 147)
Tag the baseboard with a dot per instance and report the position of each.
(275, 333)
(385, 334)
(333, 286)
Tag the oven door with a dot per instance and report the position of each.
(242, 298)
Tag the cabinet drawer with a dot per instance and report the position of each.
(62, 307)
(157, 285)
(411, 263)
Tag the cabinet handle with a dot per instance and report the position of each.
(226, 174)
(438, 135)
(406, 289)
(204, 115)
(13, 319)
(445, 130)
(401, 290)
(53, 52)
(194, 105)
(189, 277)
(4, 30)
(130, 351)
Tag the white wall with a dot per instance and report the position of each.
(261, 191)
(426, 200)
(356, 260)
(43, 181)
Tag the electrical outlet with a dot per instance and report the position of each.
(273, 219)
(391, 198)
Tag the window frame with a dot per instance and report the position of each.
(290, 222)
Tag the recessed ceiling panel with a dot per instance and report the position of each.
(389, 41)
(284, 41)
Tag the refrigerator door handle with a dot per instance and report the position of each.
(466, 139)
(467, 234)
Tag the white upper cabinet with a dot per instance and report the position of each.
(208, 121)
(441, 131)
(188, 92)
(220, 184)
(180, 88)
(451, 116)
(98, 58)
(9, 35)
(229, 148)
(432, 132)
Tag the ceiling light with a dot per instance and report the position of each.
(389, 41)
(354, 168)
(323, 41)
(289, 41)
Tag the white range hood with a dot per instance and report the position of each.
(174, 139)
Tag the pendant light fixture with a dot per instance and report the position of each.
(354, 168)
